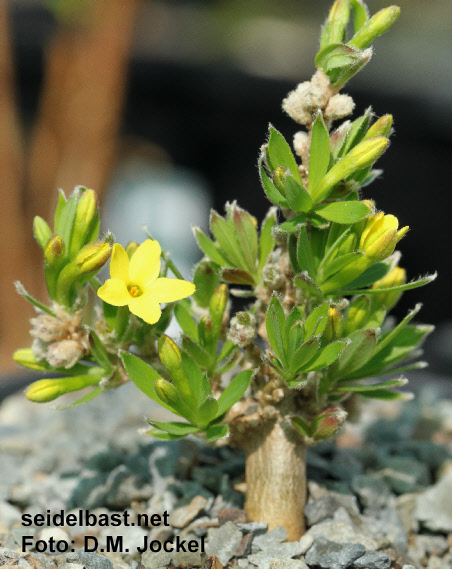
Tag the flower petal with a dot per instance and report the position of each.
(146, 308)
(114, 291)
(169, 290)
(145, 263)
(119, 264)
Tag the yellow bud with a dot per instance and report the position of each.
(26, 358)
(92, 257)
(45, 390)
(86, 207)
(357, 315)
(131, 248)
(395, 277)
(333, 329)
(54, 250)
(380, 236)
(86, 217)
(169, 353)
(374, 27)
(41, 231)
(218, 305)
(362, 155)
(338, 20)
(381, 127)
(279, 179)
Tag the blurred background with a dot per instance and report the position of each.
(161, 106)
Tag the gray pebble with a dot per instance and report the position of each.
(279, 563)
(330, 555)
(372, 560)
(223, 541)
(91, 560)
(339, 532)
(281, 550)
(434, 506)
(187, 510)
(254, 528)
(268, 540)
(150, 560)
(373, 492)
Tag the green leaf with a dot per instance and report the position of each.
(197, 381)
(308, 286)
(21, 290)
(197, 352)
(234, 391)
(185, 320)
(315, 323)
(356, 354)
(275, 324)
(304, 252)
(85, 399)
(58, 220)
(209, 248)
(237, 276)
(384, 394)
(301, 426)
(246, 234)
(326, 356)
(280, 154)
(272, 193)
(207, 411)
(400, 288)
(298, 198)
(293, 225)
(357, 130)
(370, 275)
(304, 354)
(163, 435)
(215, 432)
(99, 352)
(266, 240)
(343, 212)
(225, 234)
(174, 427)
(338, 264)
(206, 280)
(320, 153)
(359, 387)
(68, 218)
(144, 377)
(334, 56)
(360, 14)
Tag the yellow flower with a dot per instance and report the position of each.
(135, 283)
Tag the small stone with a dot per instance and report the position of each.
(223, 541)
(56, 533)
(212, 562)
(232, 515)
(133, 537)
(150, 560)
(185, 513)
(373, 492)
(9, 515)
(275, 536)
(281, 550)
(184, 559)
(341, 533)
(404, 474)
(305, 543)
(91, 560)
(372, 560)
(321, 509)
(330, 555)
(434, 506)
(405, 508)
(254, 528)
(244, 548)
(278, 563)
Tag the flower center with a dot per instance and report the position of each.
(135, 291)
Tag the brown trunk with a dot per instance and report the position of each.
(276, 478)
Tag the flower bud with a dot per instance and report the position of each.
(377, 25)
(381, 127)
(41, 231)
(131, 248)
(380, 236)
(54, 251)
(279, 179)
(328, 423)
(26, 358)
(362, 155)
(169, 353)
(334, 326)
(90, 259)
(85, 218)
(357, 315)
(217, 307)
(395, 277)
(45, 390)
